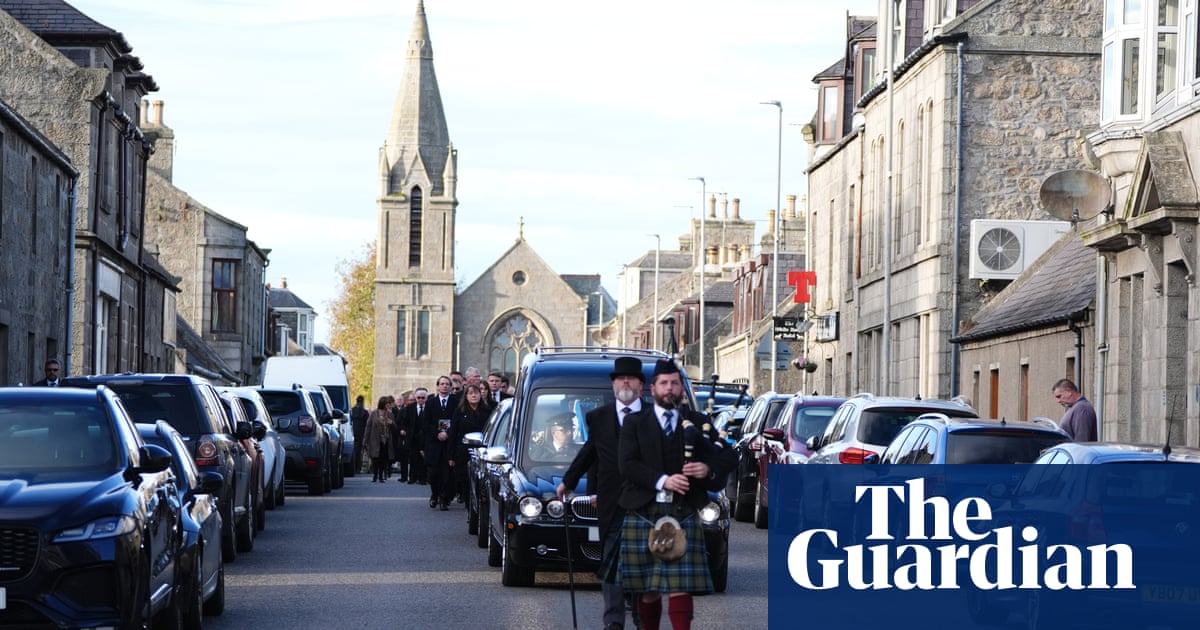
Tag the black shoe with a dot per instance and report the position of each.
(445, 507)
(402, 480)
(433, 503)
(412, 481)
(422, 483)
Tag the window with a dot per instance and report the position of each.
(304, 322)
(829, 113)
(1167, 52)
(104, 309)
(415, 212)
(514, 339)
(224, 295)
(1121, 57)
(412, 332)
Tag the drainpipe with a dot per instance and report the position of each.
(1101, 332)
(69, 341)
(955, 357)
(1075, 328)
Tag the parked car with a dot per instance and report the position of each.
(866, 424)
(802, 417)
(193, 407)
(525, 519)
(327, 372)
(743, 481)
(336, 424)
(201, 572)
(935, 438)
(1122, 493)
(89, 528)
(305, 443)
(729, 420)
(274, 456)
(477, 474)
(721, 395)
(237, 415)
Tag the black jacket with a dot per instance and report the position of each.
(435, 414)
(598, 459)
(646, 455)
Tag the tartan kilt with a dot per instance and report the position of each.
(641, 572)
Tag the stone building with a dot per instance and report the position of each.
(986, 100)
(76, 81)
(37, 183)
(222, 288)
(291, 321)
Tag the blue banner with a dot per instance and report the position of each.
(1048, 546)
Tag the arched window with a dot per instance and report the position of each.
(414, 228)
(513, 339)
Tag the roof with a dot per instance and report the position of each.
(721, 291)
(1099, 452)
(281, 298)
(666, 260)
(35, 138)
(202, 359)
(587, 285)
(1059, 287)
(55, 19)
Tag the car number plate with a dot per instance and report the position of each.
(593, 534)
(3, 598)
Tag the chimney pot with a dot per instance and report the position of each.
(737, 213)
(771, 221)
(790, 211)
(712, 207)
(158, 112)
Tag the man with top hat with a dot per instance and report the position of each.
(668, 465)
(598, 459)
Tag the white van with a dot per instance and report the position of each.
(328, 371)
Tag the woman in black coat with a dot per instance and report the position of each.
(471, 415)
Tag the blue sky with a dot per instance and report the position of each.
(587, 120)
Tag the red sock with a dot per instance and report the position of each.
(679, 609)
(650, 612)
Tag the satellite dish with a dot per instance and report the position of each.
(1075, 195)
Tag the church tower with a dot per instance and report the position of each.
(414, 274)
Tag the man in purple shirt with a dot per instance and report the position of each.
(1080, 419)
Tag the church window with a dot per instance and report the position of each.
(401, 333)
(224, 295)
(412, 333)
(422, 333)
(510, 343)
(518, 278)
(414, 228)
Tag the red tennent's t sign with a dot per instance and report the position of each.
(802, 280)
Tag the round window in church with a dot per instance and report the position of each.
(518, 278)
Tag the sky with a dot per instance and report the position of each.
(587, 120)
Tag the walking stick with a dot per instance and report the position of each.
(567, 509)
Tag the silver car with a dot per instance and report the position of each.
(273, 453)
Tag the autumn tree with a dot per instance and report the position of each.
(352, 320)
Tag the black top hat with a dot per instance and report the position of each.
(665, 366)
(628, 366)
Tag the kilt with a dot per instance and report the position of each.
(641, 572)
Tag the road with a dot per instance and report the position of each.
(373, 555)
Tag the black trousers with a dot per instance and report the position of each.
(402, 462)
(379, 466)
(441, 482)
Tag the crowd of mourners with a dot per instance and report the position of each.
(417, 437)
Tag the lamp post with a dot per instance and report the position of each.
(600, 322)
(703, 264)
(624, 303)
(775, 239)
(654, 317)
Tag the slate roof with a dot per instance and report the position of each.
(54, 19)
(585, 285)
(278, 298)
(201, 359)
(717, 292)
(666, 260)
(1058, 288)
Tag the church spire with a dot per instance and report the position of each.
(418, 139)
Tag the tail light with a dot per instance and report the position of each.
(306, 424)
(853, 455)
(1086, 523)
(206, 451)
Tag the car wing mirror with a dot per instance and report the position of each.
(243, 430)
(871, 458)
(154, 458)
(811, 443)
(212, 482)
(338, 413)
(496, 455)
(473, 439)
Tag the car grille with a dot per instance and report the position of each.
(591, 550)
(583, 508)
(18, 552)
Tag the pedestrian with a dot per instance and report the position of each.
(378, 437)
(598, 459)
(52, 370)
(406, 423)
(358, 426)
(496, 392)
(456, 382)
(1079, 421)
(668, 469)
(435, 426)
(471, 415)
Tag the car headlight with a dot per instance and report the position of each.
(530, 507)
(555, 508)
(107, 527)
(710, 513)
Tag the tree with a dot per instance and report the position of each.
(352, 325)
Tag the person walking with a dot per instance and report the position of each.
(378, 438)
(598, 459)
(406, 422)
(358, 426)
(470, 417)
(668, 469)
(1079, 422)
(52, 369)
(435, 426)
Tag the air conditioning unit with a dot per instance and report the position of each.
(1001, 250)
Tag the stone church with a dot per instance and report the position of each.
(424, 328)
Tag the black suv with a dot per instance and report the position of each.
(743, 481)
(304, 440)
(525, 517)
(191, 405)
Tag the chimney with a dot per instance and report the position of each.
(724, 207)
(162, 161)
(771, 221)
(790, 211)
(737, 213)
(158, 118)
(712, 207)
(283, 282)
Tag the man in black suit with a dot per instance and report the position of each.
(496, 391)
(598, 458)
(52, 369)
(668, 469)
(439, 410)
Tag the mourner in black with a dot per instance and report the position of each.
(668, 468)
(408, 461)
(470, 417)
(358, 424)
(598, 459)
(436, 450)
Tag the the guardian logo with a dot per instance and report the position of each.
(990, 557)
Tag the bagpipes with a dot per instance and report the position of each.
(693, 434)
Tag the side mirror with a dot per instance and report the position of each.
(212, 482)
(260, 431)
(496, 455)
(154, 458)
(773, 434)
(338, 413)
(811, 443)
(243, 430)
(871, 458)
(473, 439)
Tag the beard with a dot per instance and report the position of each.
(626, 394)
(667, 400)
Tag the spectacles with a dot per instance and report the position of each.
(51, 369)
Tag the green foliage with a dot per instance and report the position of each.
(352, 326)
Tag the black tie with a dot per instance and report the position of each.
(625, 411)
(668, 425)
(443, 403)
(420, 408)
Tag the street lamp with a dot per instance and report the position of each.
(624, 302)
(600, 323)
(703, 263)
(775, 253)
(654, 318)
